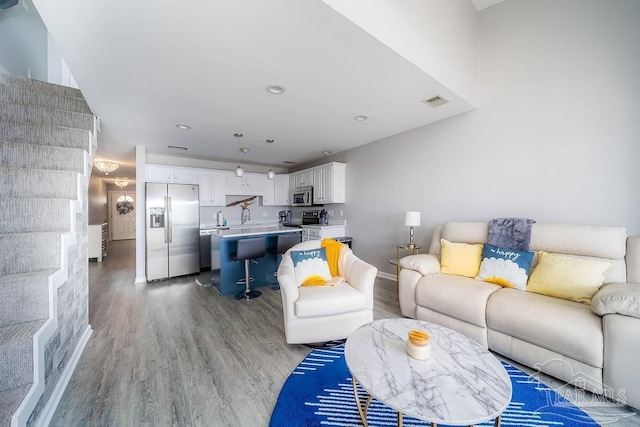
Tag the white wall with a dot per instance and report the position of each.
(97, 201)
(438, 36)
(23, 38)
(556, 136)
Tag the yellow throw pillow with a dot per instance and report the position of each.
(460, 259)
(568, 277)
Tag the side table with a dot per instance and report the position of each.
(413, 250)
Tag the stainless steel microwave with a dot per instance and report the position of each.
(302, 196)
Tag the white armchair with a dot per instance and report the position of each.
(319, 314)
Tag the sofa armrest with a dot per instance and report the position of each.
(424, 264)
(362, 276)
(618, 298)
(288, 286)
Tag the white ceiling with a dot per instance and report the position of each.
(145, 67)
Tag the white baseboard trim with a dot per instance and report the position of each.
(141, 279)
(387, 276)
(52, 404)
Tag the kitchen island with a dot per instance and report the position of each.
(225, 272)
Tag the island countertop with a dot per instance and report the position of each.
(255, 230)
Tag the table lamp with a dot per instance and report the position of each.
(411, 219)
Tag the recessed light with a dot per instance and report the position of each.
(326, 153)
(361, 118)
(244, 149)
(275, 89)
(183, 127)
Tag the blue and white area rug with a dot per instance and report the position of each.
(319, 393)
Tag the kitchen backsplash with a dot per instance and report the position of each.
(263, 214)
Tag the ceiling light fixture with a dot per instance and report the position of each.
(239, 171)
(106, 166)
(361, 118)
(275, 89)
(271, 174)
(121, 181)
(326, 152)
(183, 127)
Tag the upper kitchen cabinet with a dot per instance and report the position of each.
(276, 191)
(212, 187)
(251, 184)
(329, 183)
(171, 174)
(303, 178)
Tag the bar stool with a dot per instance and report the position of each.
(285, 241)
(248, 250)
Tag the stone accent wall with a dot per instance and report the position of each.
(73, 310)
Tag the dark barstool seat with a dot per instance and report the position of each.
(248, 250)
(285, 241)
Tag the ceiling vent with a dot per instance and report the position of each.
(289, 162)
(436, 101)
(177, 147)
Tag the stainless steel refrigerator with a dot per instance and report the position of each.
(173, 230)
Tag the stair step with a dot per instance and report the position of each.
(41, 134)
(24, 297)
(45, 115)
(16, 155)
(30, 252)
(7, 79)
(32, 96)
(37, 183)
(9, 402)
(16, 347)
(35, 215)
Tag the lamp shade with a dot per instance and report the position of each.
(412, 219)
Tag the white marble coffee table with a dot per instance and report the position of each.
(461, 384)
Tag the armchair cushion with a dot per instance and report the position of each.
(620, 298)
(322, 301)
(311, 267)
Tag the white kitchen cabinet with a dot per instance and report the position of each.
(251, 184)
(212, 187)
(316, 232)
(329, 183)
(171, 174)
(303, 178)
(276, 191)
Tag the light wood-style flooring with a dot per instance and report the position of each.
(175, 353)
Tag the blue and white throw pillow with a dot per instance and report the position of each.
(505, 267)
(311, 267)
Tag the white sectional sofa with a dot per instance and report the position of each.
(593, 346)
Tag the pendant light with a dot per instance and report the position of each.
(271, 174)
(106, 166)
(239, 171)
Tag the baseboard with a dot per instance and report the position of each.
(387, 276)
(141, 279)
(52, 404)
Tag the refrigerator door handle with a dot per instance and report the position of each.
(166, 224)
(169, 220)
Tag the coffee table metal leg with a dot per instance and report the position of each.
(497, 422)
(362, 409)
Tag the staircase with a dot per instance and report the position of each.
(47, 143)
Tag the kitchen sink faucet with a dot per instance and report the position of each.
(245, 215)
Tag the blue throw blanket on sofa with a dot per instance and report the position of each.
(510, 233)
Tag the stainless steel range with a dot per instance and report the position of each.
(311, 218)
